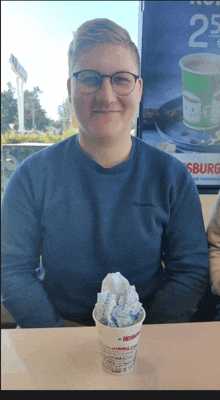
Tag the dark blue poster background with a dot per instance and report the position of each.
(170, 31)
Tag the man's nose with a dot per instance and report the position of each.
(105, 91)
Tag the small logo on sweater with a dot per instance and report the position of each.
(137, 204)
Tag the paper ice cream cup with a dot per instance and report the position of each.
(119, 345)
(201, 86)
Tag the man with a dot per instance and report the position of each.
(213, 236)
(209, 304)
(102, 201)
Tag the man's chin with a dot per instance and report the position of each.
(105, 134)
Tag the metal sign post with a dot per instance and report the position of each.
(21, 74)
(20, 105)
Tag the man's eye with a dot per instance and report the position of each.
(120, 79)
(90, 81)
(123, 80)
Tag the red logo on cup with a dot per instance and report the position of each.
(127, 338)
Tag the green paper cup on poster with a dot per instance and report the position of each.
(118, 346)
(201, 90)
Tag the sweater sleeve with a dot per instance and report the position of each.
(185, 255)
(23, 294)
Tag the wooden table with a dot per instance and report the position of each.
(170, 356)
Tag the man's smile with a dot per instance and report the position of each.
(106, 112)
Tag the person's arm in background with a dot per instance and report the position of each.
(213, 236)
(23, 294)
(186, 257)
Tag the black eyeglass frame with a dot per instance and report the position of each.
(136, 77)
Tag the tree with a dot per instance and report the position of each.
(9, 110)
(65, 112)
(57, 124)
(34, 115)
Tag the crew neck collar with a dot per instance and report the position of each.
(92, 164)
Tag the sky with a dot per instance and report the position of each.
(38, 34)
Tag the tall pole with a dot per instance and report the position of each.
(33, 122)
(20, 105)
(63, 115)
(22, 74)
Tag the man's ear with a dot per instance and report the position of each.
(141, 84)
(69, 89)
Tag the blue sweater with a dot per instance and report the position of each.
(85, 221)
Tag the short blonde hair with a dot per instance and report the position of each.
(94, 33)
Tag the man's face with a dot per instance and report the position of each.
(105, 114)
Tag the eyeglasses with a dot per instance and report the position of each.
(89, 82)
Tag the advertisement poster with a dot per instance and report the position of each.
(179, 45)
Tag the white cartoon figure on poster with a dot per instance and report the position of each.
(212, 111)
(191, 107)
(215, 109)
